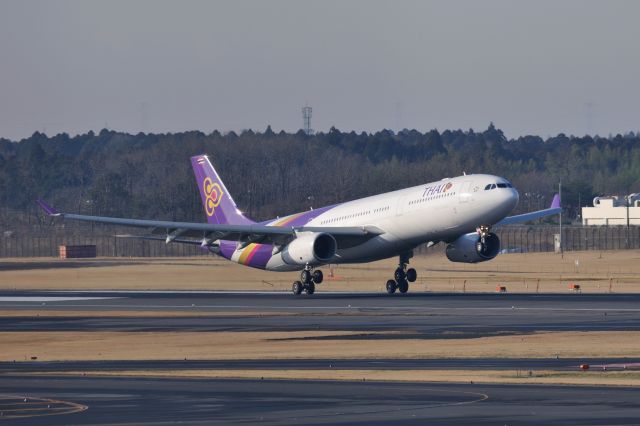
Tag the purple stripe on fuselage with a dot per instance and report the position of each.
(261, 256)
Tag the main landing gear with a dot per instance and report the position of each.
(308, 281)
(402, 276)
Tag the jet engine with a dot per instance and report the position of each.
(311, 248)
(470, 248)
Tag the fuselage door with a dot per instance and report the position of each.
(401, 205)
(465, 192)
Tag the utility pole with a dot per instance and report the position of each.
(627, 199)
(560, 195)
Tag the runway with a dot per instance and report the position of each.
(418, 316)
(169, 401)
(559, 364)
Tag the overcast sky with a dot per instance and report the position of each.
(534, 67)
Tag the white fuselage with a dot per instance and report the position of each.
(437, 211)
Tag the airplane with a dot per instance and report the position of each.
(459, 212)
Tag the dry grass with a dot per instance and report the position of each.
(597, 272)
(614, 378)
(99, 345)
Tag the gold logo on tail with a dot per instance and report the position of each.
(213, 195)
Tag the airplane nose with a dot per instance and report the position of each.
(514, 198)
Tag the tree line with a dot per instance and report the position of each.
(268, 173)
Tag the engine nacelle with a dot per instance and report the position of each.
(311, 248)
(469, 249)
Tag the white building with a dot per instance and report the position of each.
(612, 210)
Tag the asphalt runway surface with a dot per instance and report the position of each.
(200, 401)
(415, 315)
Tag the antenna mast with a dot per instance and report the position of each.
(306, 120)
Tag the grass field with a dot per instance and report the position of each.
(115, 345)
(104, 346)
(586, 378)
(595, 272)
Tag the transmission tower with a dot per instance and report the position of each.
(306, 120)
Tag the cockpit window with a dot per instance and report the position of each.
(497, 185)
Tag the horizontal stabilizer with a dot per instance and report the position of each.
(50, 211)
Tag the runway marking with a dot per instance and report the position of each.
(310, 308)
(49, 298)
(179, 292)
(409, 407)
(16, 407)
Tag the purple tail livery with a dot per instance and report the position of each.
(219, 207)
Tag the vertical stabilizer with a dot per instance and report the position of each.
(218, 204)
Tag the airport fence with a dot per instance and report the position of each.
(574, 238)
(514, 239)
(106, 246)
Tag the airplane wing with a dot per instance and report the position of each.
(553, 209)
(205, 233)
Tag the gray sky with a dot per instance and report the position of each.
(535, 67)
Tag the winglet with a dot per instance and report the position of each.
(555, 203)
(50, 211)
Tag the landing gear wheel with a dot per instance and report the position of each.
(402, 276)
(317, 276)
(399, 274)
(305, 276)
(310, 288)
(391, 286)
(296, 288)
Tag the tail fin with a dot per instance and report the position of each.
(218, 204)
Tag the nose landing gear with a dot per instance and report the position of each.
(483, 231)
(308, 281)
(402, 276)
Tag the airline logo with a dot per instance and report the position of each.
(437, 189)
(213, 194)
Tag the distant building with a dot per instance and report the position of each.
(612, 210)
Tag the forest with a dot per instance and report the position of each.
(275, 173)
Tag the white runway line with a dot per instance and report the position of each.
(48, 298)
(196, 306)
